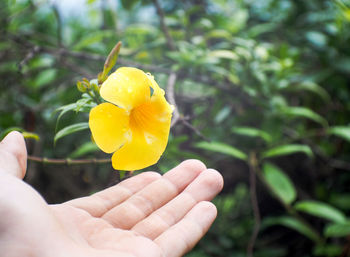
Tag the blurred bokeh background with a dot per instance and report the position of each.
(262, 95)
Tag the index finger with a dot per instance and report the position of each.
(155, 195)
(101, 202)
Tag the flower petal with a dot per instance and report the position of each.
(127, 87)
(109, 126)
(154, 84)
(162, 108)
(150, 125)
(142, 151)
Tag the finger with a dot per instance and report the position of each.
(181, 237)
(101, 202)
(208, 184)
(13, 154)
(155, 195)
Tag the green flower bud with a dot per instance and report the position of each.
(81, 87)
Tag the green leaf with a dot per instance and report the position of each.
(304, 112)
(280, 183)
(328, 250)
(337, 230)
(128, 4)
(70, 130)
(292, 223)
(44, 78)
(340, 200)
(222, 148)
(252, 132)
(86, 148)
(316, 38)
(4, 133)
(64, 109)
(25, 134)
(321, 210)
(224, 54)
(31, 135)
(287, 150)
(92, 38)
(314, 88)
(82, 105)
(222, 114)
(218, 33)
(261, 28)
(340, 131)
(343, 64)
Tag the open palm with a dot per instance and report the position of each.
(146, 215)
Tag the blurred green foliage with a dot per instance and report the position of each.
(262, 89)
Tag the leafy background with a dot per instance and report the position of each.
(262, 93)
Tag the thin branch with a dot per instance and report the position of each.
(59, 52)
(165, 30)
(30, 55)
(73, 67)
(67, 161)
(339, 164)
(101, 58)
(254, 200)
(65, 52)
(170, 92)
(194, 129)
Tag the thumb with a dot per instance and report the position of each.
(13, 155)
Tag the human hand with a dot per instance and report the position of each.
(146, 215)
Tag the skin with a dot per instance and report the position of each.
(146, 215)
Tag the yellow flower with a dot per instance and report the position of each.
(135, 121)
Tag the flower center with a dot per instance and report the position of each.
(139, 119)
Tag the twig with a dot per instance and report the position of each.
(66, 161)
(253, 163)
(59, 52)
(101, 58)
(160, 13)
(76, 68)
(339, 164)
(28, 57)
(195, 130)
(170, 92)
(254, 200)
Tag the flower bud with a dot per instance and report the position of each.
(81, 87)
